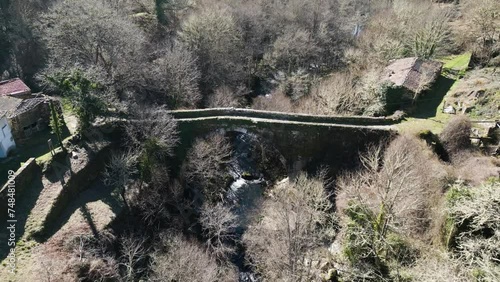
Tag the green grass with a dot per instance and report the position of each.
(486, 107)
(427, 114)
(456, 64)
(66, 106)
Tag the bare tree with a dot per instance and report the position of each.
(219, 226)
(476, 217)
(175, 77)
(481, 34)
(119, 172)
(276, 101)
(91, 33)
(204, 168)
(335, 94)
(153, 126)
(183, 260)
(398, 28)
(103, 269)
(389, 199)
(293, 50)
(439, 268)
(432, 32)
(163, 203)
(133, 254)
(226, 97)
(214, 37)
(396, 184)
(294, 222)
(94, 260)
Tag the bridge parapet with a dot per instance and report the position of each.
(250, 113)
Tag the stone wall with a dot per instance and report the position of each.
(21, 180)
(27, 122)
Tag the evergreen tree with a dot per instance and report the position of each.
(57, 123)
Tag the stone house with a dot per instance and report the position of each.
(26, 113)
(30, 116)
(413, 75)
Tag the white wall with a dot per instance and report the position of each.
(6, 140)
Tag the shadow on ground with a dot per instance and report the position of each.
(427, 105)
(96, 191)
(23, 208)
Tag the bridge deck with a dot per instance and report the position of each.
(226, 113)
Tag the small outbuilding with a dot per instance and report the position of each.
(25, 116)
(26, 113)
(30, 116)
(412, 74)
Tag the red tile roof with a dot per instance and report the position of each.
(13, 87)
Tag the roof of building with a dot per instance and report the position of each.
(27, 105)
(11, 107)
(412, 73)
(8, 105)
(13, 87)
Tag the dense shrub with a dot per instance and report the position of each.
(475, 215)
(294, 223)
(456, 135)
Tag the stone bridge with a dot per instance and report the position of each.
(304, 141)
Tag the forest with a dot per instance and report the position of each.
(420, 205)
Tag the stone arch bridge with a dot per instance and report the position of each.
(305, 141)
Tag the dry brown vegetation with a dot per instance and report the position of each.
(204, 169)
(456, 135)
(295, 221)
(402, 180)
(183, 260)
(478, 29)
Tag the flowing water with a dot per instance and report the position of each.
(244, 193)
